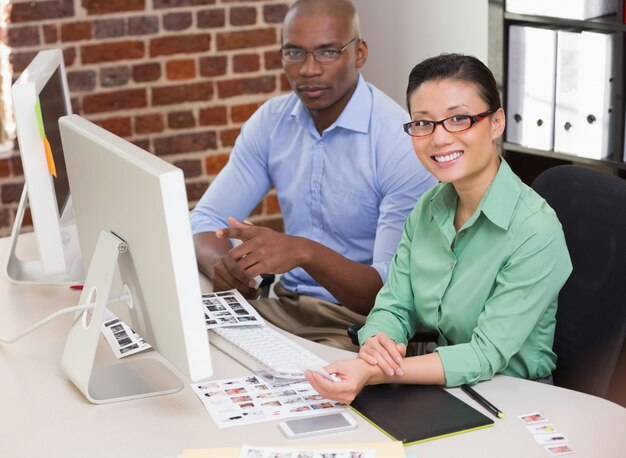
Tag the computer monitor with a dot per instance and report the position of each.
(40, 98)
(133, 225)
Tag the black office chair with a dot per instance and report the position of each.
(591, 316)
(266, 284)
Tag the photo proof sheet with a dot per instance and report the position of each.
(251, 399)
(228, 308)
(294, 452)
(223, 309)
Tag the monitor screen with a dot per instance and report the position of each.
(53, 103)
(125, 191)
(40, 97)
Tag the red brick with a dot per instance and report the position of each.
(232, 88)
(28, 220)
(75, 31)
(211, 19)
(143, 25)
(272, 206)
(69, 56)
(16, 163)
(50, 33)
(273, 61)
(149, 124)
(181, 120)
(244, 15)
(180, 69)
(168, 95)
(112, 101)
(146, 72)
(40, 10)
(240, 113)
(185, 143)
(112, 6)
(195, 190)
(23, 36)
(166, 46)
(214, 163)
(275, 13)
(20, 60)
(177, 21)
(214, 116)
(273, 223)
(228, 137)
(114, 76)
(118, 126)
(112, 51)
(246, 39)
(246, 63)
(5, 219)
(109, 28)
(5, 169)
(257, 211)
(190, 168)
(11, 192)
(179, 3)
(144, 144)
(213, 66)
(284, 83)
(81, 81)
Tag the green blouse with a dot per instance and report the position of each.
(490, 290)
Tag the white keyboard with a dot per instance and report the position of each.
(264, 350)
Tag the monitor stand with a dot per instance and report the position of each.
(31, 271)
(119, 382)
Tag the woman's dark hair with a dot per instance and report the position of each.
(458, 67)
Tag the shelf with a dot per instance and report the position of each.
(506, 146)
(531, 161)
(605, 23)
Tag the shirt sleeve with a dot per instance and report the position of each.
(403, 182)
(394, 312)
(242, 183)
(526, 288)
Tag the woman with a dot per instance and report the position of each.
(482, 258)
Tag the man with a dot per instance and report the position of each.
(345, 175)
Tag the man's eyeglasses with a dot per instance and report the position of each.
(324, 55)
(453, 124)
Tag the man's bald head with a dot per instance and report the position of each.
(335, 8)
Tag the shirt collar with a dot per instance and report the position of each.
(498, 203)
(500, 200)
(355, 116)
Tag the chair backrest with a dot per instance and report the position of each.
(591, 316)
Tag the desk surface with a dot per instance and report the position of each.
(44, 415)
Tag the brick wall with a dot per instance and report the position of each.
(176, 77)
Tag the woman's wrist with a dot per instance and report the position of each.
(374, 375)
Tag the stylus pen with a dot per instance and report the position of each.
(482, 401)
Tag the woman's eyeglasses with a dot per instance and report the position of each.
(453, 124)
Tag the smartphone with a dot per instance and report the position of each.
(319, 424)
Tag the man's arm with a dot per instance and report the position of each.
(209, 250)
(213, 258)
(264, 250)
(355, 285)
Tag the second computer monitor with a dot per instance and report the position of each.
(40, 98)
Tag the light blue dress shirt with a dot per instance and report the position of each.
(350, 188)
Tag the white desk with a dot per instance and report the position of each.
(42, 414)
